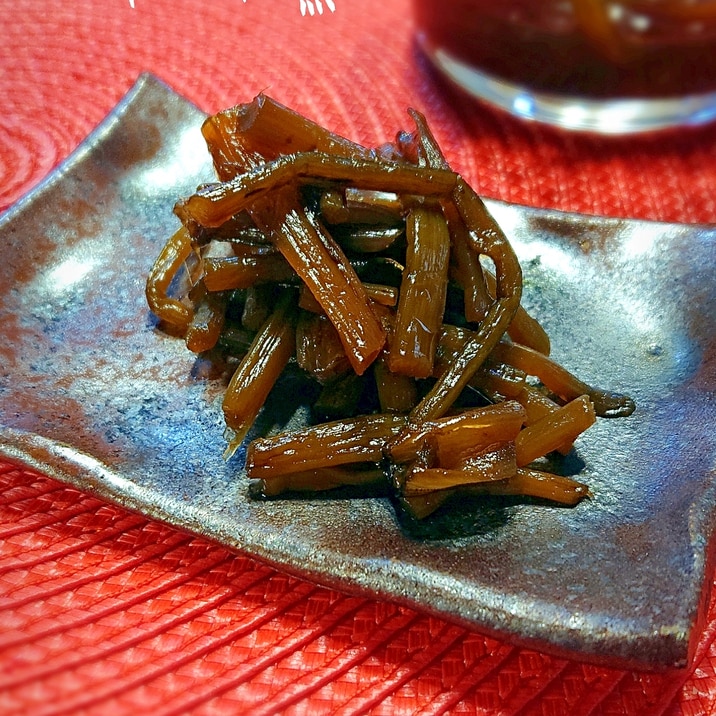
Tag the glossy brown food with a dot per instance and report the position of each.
(381, 276)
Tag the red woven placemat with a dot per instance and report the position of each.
(102, 611)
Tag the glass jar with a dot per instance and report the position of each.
(611, 67)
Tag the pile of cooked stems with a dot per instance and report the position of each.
(379, 272)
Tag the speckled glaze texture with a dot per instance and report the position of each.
(93, 394)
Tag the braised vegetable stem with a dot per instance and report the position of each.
(212, 205)
(487, 239)
(258, 371)
(423, 291)
(342, 258)
(171, 258)
(326, 445)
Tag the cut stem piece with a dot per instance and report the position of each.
(171, 258)
(258, 371)
(325, 270)
(561, 382)
(396, 393)
(524, 329)
(496, 464)
(319, 480)
(231, 272)
(554, 430)
(208, 320)
(468, 432)
(319, 350)
(487, 239)
(335, 443)
(212, 205)
(272, 129)
(421, 303)
(535, 483)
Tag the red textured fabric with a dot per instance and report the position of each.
(103, 611)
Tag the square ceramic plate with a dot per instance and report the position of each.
(92, 394)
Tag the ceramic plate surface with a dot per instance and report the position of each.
(94, 395)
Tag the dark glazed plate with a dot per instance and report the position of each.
(92, 394)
